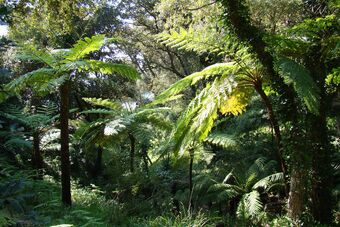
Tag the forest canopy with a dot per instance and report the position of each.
(169, 113)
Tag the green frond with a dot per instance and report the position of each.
(334, 77)
(222, 140)
(228, 177)
(250, 205)
(228, 191)
(84, 47)
(297, 75)
(103, 103)
(193, 40)
(106, 68)
(99, 111)
(220, 69)
(237, 101)
(32, 121)
(114, 127)
(31, 53)
(51, 85)
(268, 181)
(32, 79)
(14, 143)
(50, 140)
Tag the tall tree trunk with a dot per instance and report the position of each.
(98, 164)
(322, 175)
(64, 138)
(37, 157)
(237, 14)
(132, 152)
(277, 134)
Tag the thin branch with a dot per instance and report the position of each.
(201, 7)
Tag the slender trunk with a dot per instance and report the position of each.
(64, 138)
(145, 159)
(98, 165)
(132, 152)
(190, 177)
(277, 134)
(37, 157)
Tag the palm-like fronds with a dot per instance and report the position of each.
(84, 47)
(300, 78)
(222, 140)
(59, 65)
(250, 206)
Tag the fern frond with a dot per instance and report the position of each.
(223, 140)
(84, 47)
(103, 102)
(220, 69)
(106, 68)
(268, 181)
(99, 111)
(297, 75)
(203, 42)
(35, 79)
(237, 101)
(116, 126)
(31, 53)
(250, 205)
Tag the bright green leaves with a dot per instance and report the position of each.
(334, 77)
(103, 103)
(84, 47)
(225, 94)
(191, 40)
(35, 79)
(298, 76)
(59, 64)
(109, 68)
(31, 53)
(207, 73)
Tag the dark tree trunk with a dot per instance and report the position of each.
(191, 162)
(322, 175)
(277, 134)
(64, 138)
(145, 159)
(37, 156)
(98, 164)
(132, 152)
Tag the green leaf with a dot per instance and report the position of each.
(84, 47)
(297, 75)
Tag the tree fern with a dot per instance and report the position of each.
(250, 205)
(222, 140)
(300, 78)
(204, 42)
(84, 47)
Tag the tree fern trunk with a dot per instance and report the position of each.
(132, 152)
(98, 164)
(191, 162)
(37, 157)
(64, 138)
(297, 194)
(322, 175)
(145, 159)
(277, 134)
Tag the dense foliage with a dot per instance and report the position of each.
(170, 113)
